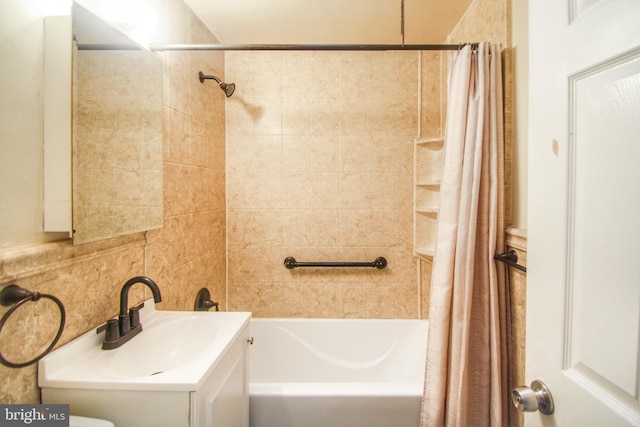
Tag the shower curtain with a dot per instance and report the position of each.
(466, 368)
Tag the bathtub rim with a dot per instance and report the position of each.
(337, 389)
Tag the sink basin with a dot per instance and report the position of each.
(174, 351)
(169, 343)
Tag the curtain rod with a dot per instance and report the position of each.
(159, 47)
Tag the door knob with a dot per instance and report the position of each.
(534, 398)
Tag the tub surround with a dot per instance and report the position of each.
(320, 167)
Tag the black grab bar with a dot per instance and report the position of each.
(290, 262)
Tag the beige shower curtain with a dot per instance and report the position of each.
(466, 370)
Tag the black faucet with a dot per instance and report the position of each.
(127, 326)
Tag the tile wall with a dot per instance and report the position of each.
(320, 167)
(189, 252)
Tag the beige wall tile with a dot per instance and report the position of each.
(381, 301)
(353, 191)
(177, 79)
(346, 140)
(353, 120)
(352, 228)
(177, 144)
(406, 301)
(353, 300)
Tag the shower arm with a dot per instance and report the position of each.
(228, 88)
(204, 77)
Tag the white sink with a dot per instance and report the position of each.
(175, 351)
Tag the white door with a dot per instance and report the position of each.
(583, 276)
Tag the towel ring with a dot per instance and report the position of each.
(14, 294)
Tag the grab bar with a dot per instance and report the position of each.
(290, 262)
(510, 258)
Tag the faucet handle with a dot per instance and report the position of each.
(112, 333)
(134, 317)
(104, 326)
(123, 323)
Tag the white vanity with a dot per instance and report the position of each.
(184, 369)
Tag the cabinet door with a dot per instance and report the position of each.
(226, 408)
(223, 399)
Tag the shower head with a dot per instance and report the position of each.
(228, 88)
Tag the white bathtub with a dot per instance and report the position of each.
(330, 372)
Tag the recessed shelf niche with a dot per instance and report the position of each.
(428, 159)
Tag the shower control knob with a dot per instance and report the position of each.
(534, 398)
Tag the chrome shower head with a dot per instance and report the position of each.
(228, 88)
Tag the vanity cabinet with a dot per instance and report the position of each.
(428, 163)
(221, 399)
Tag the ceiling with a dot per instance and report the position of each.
(329, 21)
